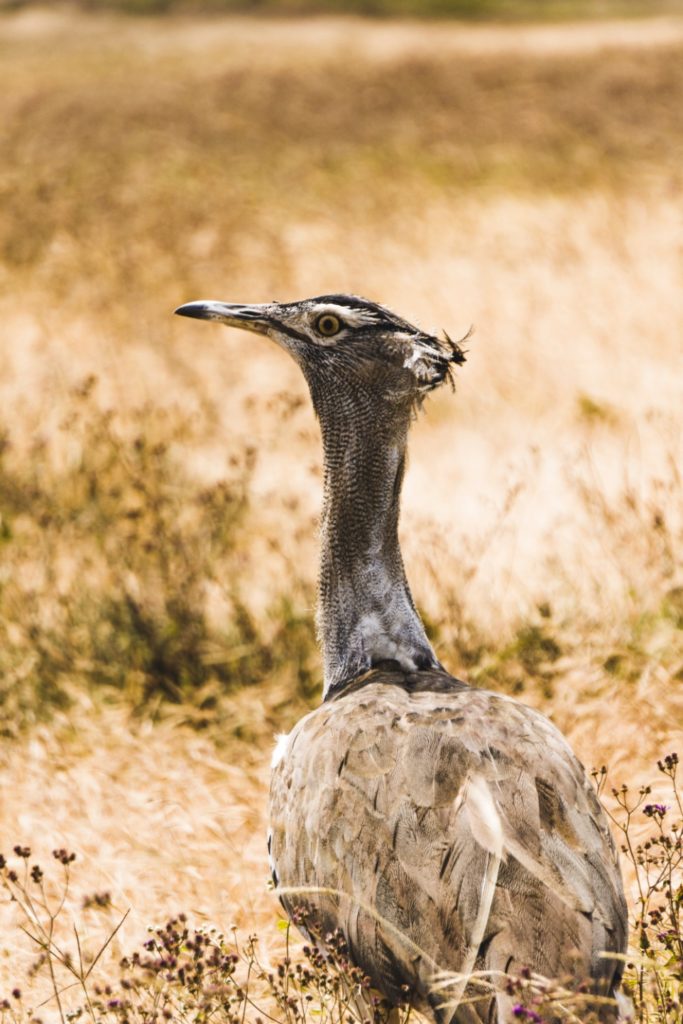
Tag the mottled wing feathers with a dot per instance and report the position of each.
(450, 829)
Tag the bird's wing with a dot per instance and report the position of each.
(445, 828)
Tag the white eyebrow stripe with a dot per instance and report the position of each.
(354, 317)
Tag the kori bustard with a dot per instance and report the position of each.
(443, 829)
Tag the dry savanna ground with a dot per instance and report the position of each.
(160, 479)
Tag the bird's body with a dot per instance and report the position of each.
(439, 827)
(445, 829)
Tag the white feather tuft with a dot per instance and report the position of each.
(625, 1007)
(483, 817)
(281, 741)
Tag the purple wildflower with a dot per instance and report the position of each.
(521, 1011)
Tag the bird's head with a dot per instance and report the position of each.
(343, 341)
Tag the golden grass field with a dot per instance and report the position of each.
(160, 479)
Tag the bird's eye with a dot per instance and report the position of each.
(327, 324)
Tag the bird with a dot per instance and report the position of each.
(447, 833)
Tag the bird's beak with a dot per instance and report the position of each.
(249, 318)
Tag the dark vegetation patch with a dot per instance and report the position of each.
(470, 10)
(111, 559)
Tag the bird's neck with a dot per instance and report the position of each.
(366, 613)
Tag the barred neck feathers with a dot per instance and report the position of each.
(366, 613)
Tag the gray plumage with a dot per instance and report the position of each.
(441, 828)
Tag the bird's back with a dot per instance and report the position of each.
(445, 829)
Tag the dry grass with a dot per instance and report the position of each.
(158, 527)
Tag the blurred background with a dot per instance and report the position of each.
(512, 166)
